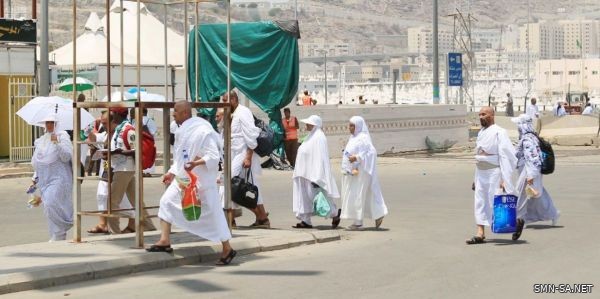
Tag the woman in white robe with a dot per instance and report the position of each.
(53, 176)
(361, 192)
(313, 172)
(535, 205)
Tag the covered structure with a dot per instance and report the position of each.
(94, 38)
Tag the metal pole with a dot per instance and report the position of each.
(109, 96)
(76, 149)
(33, 9)
(166, 122)
(1, 8)
(108, 65)
(186, 31)
(325, 57)
(447, 89)
(228, 46)
(139, 191)
(436, 67)
(227, 124)
(395, 73)
(122, 67)
(196, 62)
(528, 42)
(296, 10)
(44, 69)
(581, 76)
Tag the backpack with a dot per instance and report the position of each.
(265, 138)
(148, 147)
(547, 155)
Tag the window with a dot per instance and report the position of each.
(556, 73)
(572, 73)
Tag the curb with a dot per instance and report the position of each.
(182, 255)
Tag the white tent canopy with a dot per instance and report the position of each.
(91, 45)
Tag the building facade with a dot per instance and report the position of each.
(581, 38)
(554, 78)
(544, 38)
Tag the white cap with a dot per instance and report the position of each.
(521, 119)
(313, 120)
(50, 117)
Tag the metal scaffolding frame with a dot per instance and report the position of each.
(139, 106)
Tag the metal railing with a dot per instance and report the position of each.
(139, 106)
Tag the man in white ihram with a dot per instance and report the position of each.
(243, 142)
(495, 162)
(196, 140)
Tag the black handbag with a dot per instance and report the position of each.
(243, 191)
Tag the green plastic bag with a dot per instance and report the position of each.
(321, 205)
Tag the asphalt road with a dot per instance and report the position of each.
(420, 253)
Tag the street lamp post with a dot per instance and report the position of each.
(324, 71)
(44, 86)
(436, 66)
(325, 57)
(528, 41)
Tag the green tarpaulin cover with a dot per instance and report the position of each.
(264, 65)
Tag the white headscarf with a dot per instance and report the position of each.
(360, 126)
(50, 117)
(312, 161)
(45, 152)
(360, 144)
(317, 123)
(527, 133)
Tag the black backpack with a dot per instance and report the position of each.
(265, 138)
(547, 155)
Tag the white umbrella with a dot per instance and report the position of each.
(127, 96)
(41, 107)
(116, 97)
(150, 97)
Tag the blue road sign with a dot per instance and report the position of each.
(455, 77)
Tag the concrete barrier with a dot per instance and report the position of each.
(393, 128)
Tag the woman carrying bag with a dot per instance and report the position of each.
(361, 192)
(312, 175)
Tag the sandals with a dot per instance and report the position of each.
(378, 222)
(520, 225)
(160, 248)
(476, 240)
(302, 224)
(265, 223)
(128, 230)
(224, 261)
(354, 227)
(335, 222)
(98, 230)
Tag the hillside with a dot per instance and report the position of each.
(353, 21)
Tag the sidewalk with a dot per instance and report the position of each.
(41, 265)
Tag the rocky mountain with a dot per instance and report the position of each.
(354, 21)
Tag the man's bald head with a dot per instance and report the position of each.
(231, 97)
(183, 111)
(486, 116)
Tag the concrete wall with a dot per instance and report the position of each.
(393, 128)
(17, 61)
